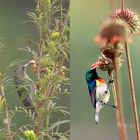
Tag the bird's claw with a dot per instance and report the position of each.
(111, 81)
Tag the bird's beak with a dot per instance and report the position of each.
(29, 63)
(95, 65)
(98, 108)
(32, 62)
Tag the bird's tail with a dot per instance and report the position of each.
(97, 117)
(97, 112)
(28, 103)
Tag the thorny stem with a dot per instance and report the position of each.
(132, 91)
(119, 100)
(8, 119)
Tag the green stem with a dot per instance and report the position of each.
(8, 118)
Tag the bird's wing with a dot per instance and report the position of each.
(32, 91)
(23, 89)
(92, 92)
(93, 97)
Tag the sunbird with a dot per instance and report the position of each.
(98, 91)
(25, 86)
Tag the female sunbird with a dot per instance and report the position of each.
(24, 84)
(98, 91)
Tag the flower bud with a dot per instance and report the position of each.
(55, 35)
(29, 134)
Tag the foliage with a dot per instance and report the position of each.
(50, 70)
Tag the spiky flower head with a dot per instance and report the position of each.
(114, 31)
(130, 17)
(113, 34)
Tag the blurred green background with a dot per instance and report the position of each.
(86, 16)
(14, 30)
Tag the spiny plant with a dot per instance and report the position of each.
(115, 35)
(50, 81)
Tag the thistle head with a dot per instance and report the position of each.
(114, 32)
(129, 17)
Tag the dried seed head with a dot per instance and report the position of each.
(113, 51)
(130, 17)
(114, 31)
(106, 64)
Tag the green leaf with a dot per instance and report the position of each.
(56, 124)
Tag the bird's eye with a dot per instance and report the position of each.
(106, 92)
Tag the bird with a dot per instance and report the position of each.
(98, 91)
(25, 85)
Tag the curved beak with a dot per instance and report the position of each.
(95, 65)
(29, 63)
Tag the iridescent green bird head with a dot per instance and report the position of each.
(91, 74)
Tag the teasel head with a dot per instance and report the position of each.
(131, 18)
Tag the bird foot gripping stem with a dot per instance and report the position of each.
(111, 105)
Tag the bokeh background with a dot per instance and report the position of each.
(14, 30)
(86, 16)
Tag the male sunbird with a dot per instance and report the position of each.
(98, 91)
(24, 84)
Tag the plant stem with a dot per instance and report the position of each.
(122, 4)
(38, 119)
(111, 4)
(119, 100)
(116, 104)
(132, 91)
(7, 119)
(61, 11)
